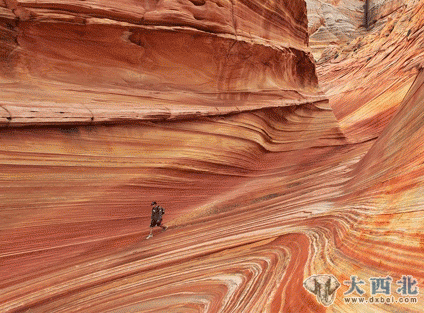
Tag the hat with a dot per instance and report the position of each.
(154, 202)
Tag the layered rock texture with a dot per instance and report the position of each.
(367, 79)
(83, 62)
(333, 23)
(213, 109)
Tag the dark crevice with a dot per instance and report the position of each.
(198, 2)
(367, 18)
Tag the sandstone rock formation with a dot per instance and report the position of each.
(333, 23)
(378, 9)
(367, 79)
(72, 62)
(213, 109)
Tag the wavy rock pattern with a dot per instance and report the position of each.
(391, 53)
(73, 61)
(386, 194)
(379, 9)
(334, 23)
(86, 210)
(261, 186)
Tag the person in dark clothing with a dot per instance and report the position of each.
(157, 212)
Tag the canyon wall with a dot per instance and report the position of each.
(333, 23)
(378, 9)
(84, 62)
(367, 79)
(212, 109)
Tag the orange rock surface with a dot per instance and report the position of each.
(268, 172)
(367, 79)
(82, 62)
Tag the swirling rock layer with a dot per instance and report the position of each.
(86, 62)
(212, 109)
(378, 9)
(334, 23)
(367, 79)
(85, 210)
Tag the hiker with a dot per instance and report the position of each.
(157, 212)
